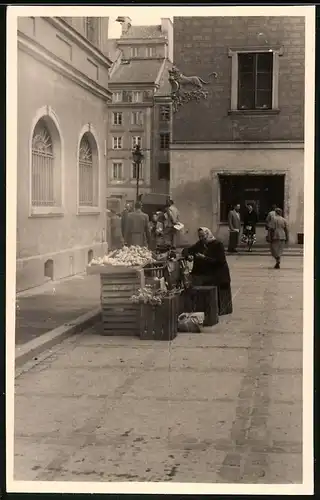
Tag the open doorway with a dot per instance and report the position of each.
(260, 190)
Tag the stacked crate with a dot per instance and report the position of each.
(160, 322)
(118, 283)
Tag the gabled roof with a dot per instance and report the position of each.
(144, 32)
(138, 71)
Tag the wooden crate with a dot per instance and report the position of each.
(203, 299)
(159, 322)
(119, 315)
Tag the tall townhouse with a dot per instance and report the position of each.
(245, 142)
(139, 112)
(62, 128)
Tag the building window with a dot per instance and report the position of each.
(135, 170)
(117, 118)
(117, 170)
(135, 96)
(164, 113)
(255, 80)
(164, 141)
(255, 75)
(88, 171)
(136, 118)
(43, 167)
(136, 141)
(117, 142)
(134, 51)
(92, 29)
(164, 171)
(150, 51)
(117, 96)
(261, 191)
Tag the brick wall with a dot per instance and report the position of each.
(201, 46)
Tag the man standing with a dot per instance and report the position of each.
(173, 217)
(137, 231)
(270, 215)
(234, 228)
(124, 216)
(278, 235)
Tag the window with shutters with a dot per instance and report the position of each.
(117, 142)
(134, 51)
(255, 80)
(117, 96)
(255, 74)
(135, 96)
(164, 141)
(88, 171)
(136, 141)
(117, 118)
(150, 51)
(164, 113)
(136, 118)
(135, 167)
(117, 171)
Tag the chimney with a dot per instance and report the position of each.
(167, 29)
(125, 23)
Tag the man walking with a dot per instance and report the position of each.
(278, 236)
(234, 228)
(137, 231)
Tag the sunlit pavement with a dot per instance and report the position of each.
(221, 406)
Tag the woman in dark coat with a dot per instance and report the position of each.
(250, 221)
(210, 267)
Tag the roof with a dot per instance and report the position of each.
(143, 32)
(164, 84)
(137, 71)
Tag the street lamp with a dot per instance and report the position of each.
(137, 159)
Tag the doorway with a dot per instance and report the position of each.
(260, 190)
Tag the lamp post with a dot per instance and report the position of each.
(137, 159)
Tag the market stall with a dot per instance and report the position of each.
(134, 281)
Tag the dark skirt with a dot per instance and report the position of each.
(224, 292)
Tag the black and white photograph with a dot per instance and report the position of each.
(160, 178)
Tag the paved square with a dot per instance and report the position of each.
(221, 406)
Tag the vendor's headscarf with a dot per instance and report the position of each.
(208, 236)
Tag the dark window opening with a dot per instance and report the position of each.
(49, 269)
(164, 113)
(255, 77)
(90, 256)
(164, 141)
(164, 171)
(262, 191)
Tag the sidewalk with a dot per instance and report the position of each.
(223, 406)
(49, 306)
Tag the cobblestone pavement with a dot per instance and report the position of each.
(217, 407)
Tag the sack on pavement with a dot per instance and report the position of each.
(191, 322)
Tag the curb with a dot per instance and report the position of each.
(27, 351)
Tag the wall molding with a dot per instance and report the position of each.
(46, 57)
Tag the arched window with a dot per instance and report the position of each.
(42, 166)
(88, 171)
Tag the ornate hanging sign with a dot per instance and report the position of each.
(186, 88)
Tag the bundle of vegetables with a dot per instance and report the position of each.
(148, 295)
(127, 256)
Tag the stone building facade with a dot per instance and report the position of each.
(139, 112)
(245, 142)
(62, 129)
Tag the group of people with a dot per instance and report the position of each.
(276, 226)
(133, 227)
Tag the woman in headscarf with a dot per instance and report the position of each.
(278, 236)
(210, 267)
